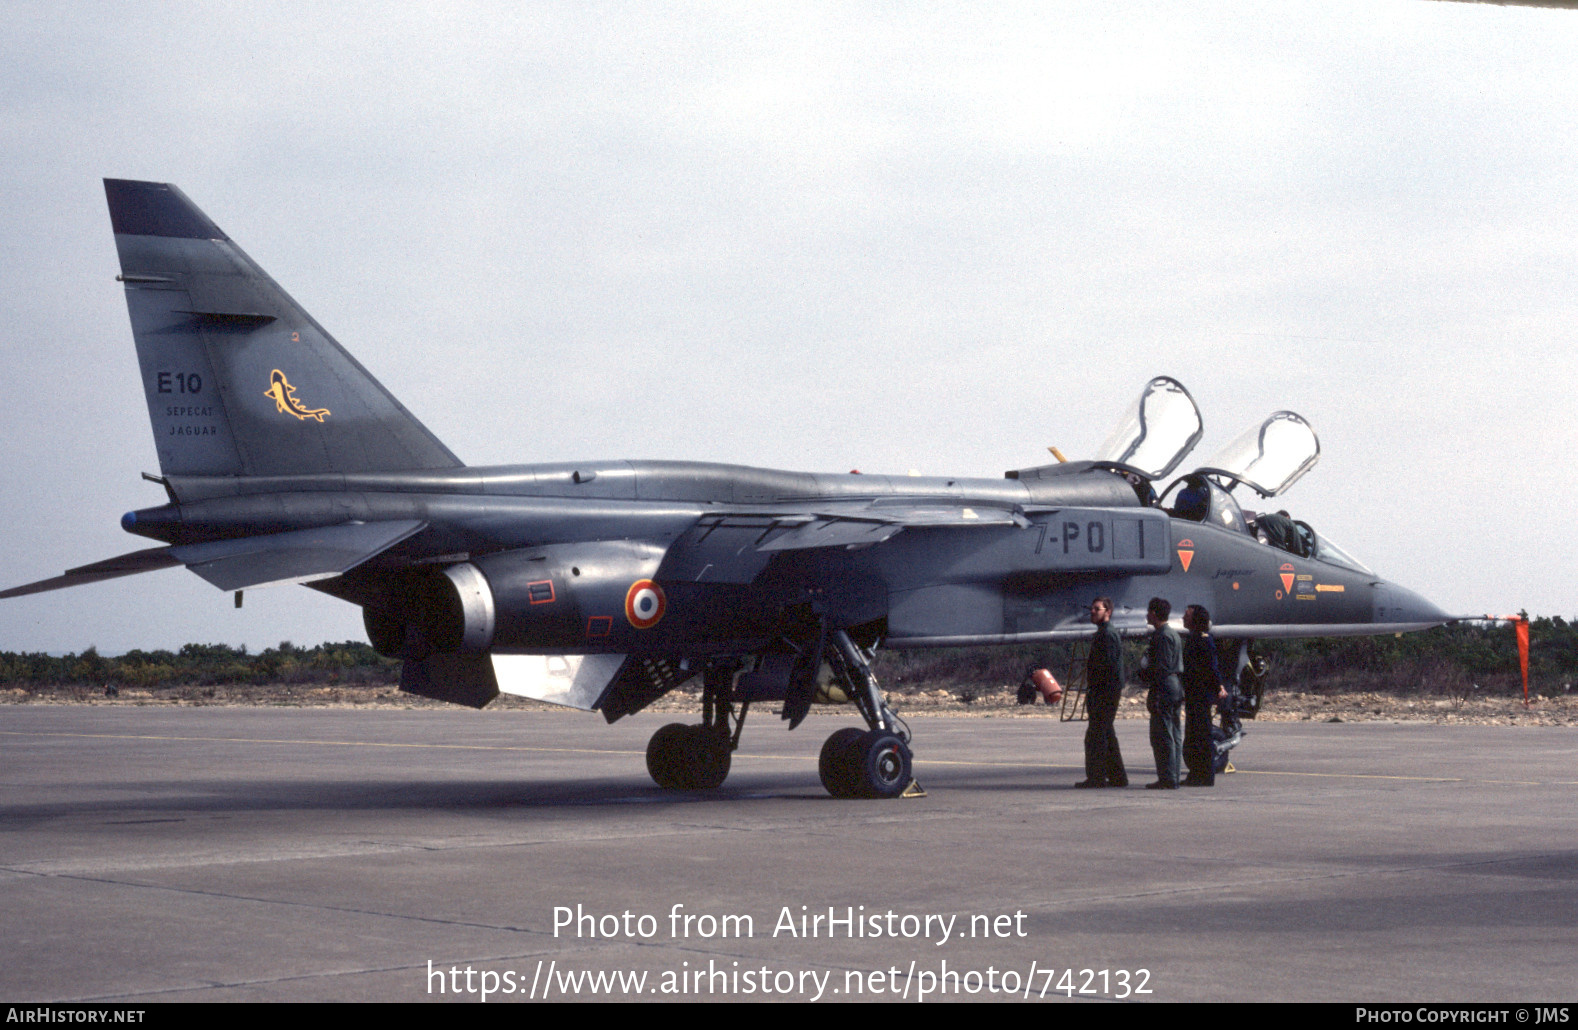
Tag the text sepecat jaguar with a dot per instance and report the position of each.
(605, 584)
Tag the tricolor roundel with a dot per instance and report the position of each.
(644, 604)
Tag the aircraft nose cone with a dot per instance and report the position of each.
(1395, 605)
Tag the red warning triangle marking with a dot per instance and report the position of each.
(1287, 582)
(1184, 558)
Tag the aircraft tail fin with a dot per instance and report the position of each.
(240, 381)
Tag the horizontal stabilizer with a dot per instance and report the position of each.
(126, 565)
(253, 561)
(575, 681)
(295, 557)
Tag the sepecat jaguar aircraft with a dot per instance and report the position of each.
(605, 584)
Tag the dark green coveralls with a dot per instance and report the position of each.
(1202, 680)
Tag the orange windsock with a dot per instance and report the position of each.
(1521, 627)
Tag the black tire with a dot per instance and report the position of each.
(837, 763)
(708, 757)
(882, 765)
(666, 756)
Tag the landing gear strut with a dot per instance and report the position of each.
(1246, 688)
(697, 757)
(874, 763)
(855, 763)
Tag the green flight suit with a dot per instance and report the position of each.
(1163, 669)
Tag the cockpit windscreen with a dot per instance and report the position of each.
(1325, 550)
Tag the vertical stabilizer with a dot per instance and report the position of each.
(241, 381)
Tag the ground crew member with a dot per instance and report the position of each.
(1202, 684)
(1103, 689)
(1163, 667)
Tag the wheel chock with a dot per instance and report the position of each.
(1229, 768)
(914, 790)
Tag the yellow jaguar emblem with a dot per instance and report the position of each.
(284, 396)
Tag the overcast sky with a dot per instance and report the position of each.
(886, 237)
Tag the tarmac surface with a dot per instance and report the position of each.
(214, 854)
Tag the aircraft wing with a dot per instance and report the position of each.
(734, 547)
(872, 522)
(295, 557)
(824, 532)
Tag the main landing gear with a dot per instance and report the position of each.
(855, 763)
(686, 757)
(865, 764)
(871, 763)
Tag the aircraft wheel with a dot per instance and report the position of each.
(837, 764)
(709, 757)
(666, 753)
(1219, 759)
(882, 765)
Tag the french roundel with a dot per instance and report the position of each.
(644, 604)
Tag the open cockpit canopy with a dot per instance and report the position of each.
(1158, 431)
(1269, 457)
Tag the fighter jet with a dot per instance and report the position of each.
(604, 585)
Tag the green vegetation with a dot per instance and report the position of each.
(1451, 659)
(348, 663)
(1454, 660)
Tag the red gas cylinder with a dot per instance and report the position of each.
(1045, 682)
